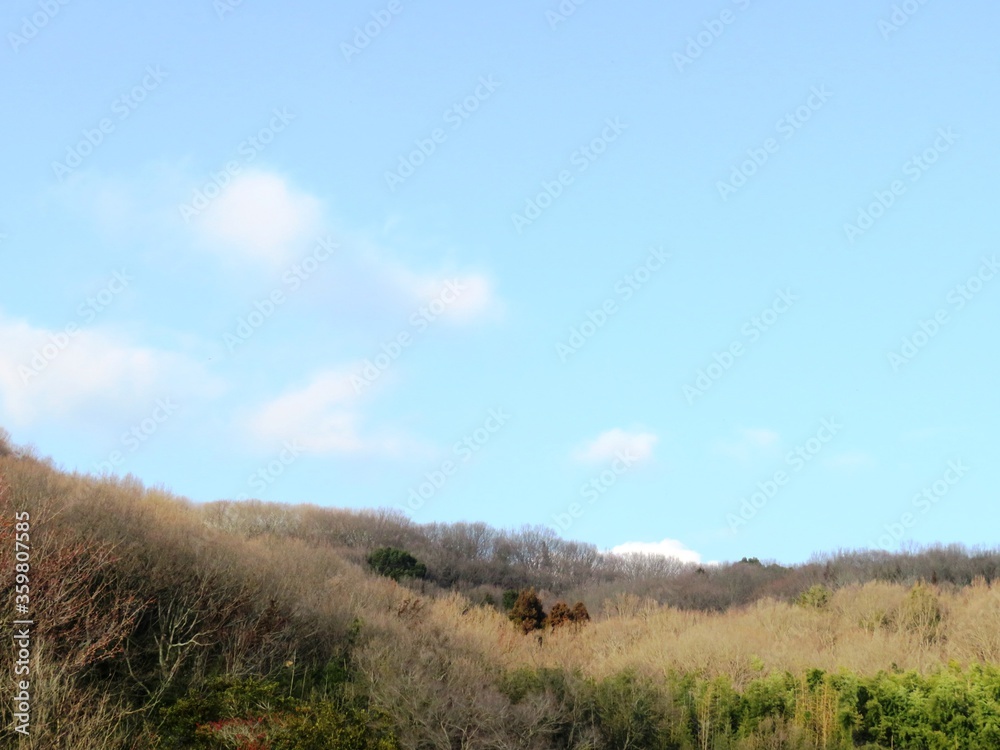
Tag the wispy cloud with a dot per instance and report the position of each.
(325, 415)
(264, 222)
(52, 375)
(465, 296)
(748, 444)
(608, 445)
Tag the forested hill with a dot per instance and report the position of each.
(481, 560)
(159, 624)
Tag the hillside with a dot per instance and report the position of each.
(159, 623)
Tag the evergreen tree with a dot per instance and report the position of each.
(527, 611)
(396, 564)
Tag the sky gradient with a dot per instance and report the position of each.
(718, 279)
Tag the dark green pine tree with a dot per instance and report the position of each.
(396, 564)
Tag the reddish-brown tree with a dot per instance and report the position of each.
(527, 611)
(560, 615)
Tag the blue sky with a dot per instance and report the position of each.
(719, 280)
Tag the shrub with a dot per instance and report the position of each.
(527, 612)
(319, 726)
(815, 597)
(221, 707)
(628, 711)
(921, 613)
(559, 615)
(396, 564)
(562, 614)
(251, 715)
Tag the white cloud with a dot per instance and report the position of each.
(324, 416)
(468, 295)
(750, 443)
(606, 446)
(477, 298)
(258, 216)
(262, 217)
(460, 298)
(53, 375)
(666, 548)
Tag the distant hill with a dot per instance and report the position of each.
(480, 560)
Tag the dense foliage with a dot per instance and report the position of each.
(396, 564)
(951, 708)
(250, 713)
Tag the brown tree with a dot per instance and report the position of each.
(560, 614)
(527, 611)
